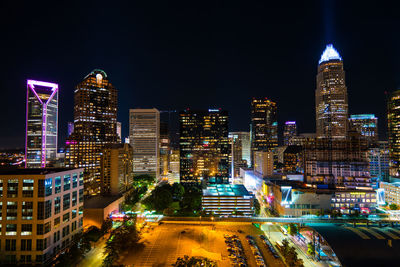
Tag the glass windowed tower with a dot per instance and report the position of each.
(41, 123)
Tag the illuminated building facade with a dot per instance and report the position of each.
(144, 136)
(394, 133)
(95, 120)
(240, 151)
(292, 198)
(391, 192)
(264, 163)
(164, 149)
(119, 128)
(379, 161)
(204, 146)
(116, 169)
(292, 159)
(41, 123)
(366, 125)
(42, 211)
(289, 132)
(343, 162)
(264, 125)
(231, 200)
(331, 96)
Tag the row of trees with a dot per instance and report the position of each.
(290, 254)
(121, 239)
(174, 199)
(80, 246)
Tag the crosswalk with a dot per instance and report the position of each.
(375, 232)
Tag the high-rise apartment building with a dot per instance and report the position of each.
(240, 151)
(331, 96)
(116, 169)
(144, 137)
(366, 125)
(42, 209)
(264, 125)
(41, 123)
(204, 146)
(289, 131)
(95, 120)
(393, 114)
(264, 163)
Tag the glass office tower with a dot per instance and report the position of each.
(204, 146)
(41, 123)
(264, 125)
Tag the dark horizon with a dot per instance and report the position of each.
(213, 55)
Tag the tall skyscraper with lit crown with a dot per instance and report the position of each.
(95, 120)
(41, 123)
(331, 96)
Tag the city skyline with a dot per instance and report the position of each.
(155, 65)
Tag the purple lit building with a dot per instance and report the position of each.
(41, 123)
(289, 131)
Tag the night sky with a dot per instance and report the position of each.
(203, 55)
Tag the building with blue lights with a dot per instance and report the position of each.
(289, 132)
(331, 96)
(379, 161)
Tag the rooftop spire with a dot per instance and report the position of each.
(330, 53)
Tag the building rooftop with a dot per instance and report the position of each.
(330, 53)
(226, 190)
(362, 246)
(36, 171)
(100, 202)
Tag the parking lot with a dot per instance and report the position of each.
(164, 243)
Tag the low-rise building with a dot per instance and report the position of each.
(40, 212)
(99, 208)
(391, 192)
(294, 198)
(228, 200)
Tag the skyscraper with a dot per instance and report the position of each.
(95, 119)
(289, 131)
(331, 96)
(394, 133)
(41, 123)
(366, 125)
(144, 137)
(264, 125)
(204, 146)
(240, 151)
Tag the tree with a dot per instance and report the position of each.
(106, 225)
(194, 262)
(393, 206)
(310, 249)
(177, 191)
(257, 206)
(123, 238)
(290, 254)
(293, 229)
